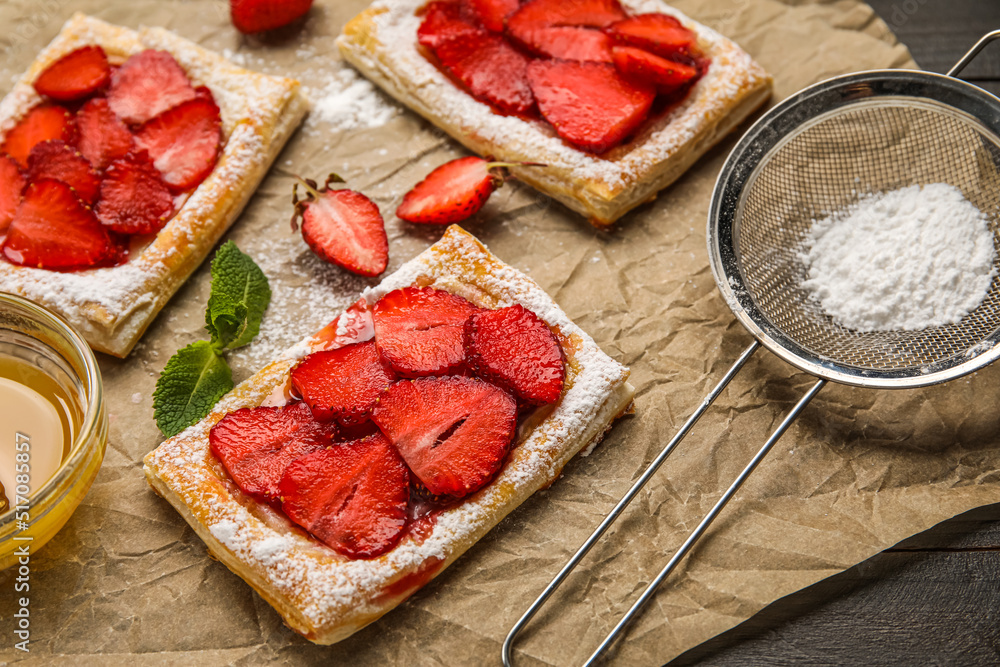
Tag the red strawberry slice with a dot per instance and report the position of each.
(12, 182)
(571, 43)
(657, 33)
(666, 75)
(589, 104)
(444, 20)
(453, 432)
(104, 138)
(146, 85)
(539, 15)
(134, 198)
(53, 230)
(183, 142)
(493, 70)
(55, 159)
(76, 75)
(251, 16)
(43, 123)
(343, 227)
(419, 330)
(493, 13)
(256, 445)
(353, 497)
(343, 383)
(517, 351)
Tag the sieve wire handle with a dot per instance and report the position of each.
(623, 503)
(973, 52)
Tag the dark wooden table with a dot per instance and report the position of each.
(933, 599)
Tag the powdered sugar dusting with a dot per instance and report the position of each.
(331, 591)
(350, 102)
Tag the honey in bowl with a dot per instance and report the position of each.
(38, 423)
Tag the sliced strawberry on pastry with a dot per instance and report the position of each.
(12, 182)
(55, 159)
(146, 85)
(343, 227)
(344, 383)
(589, 104)
(666, 75)
(103, 136)
(256, 445)
(540, 15)
(657, 33)
(52, 229)
(571, 43)
(453, 432)
(183, 142)
(419, 330)
(43, 123)
(134, 198)
(514, 349)
(352, 496)
(76, 75)
(492, 70)
(443, 20)
(493, 13)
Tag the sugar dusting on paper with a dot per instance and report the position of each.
(910, 259)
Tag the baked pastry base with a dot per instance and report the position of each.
(111, 307)
(382, 43)
(323, 595)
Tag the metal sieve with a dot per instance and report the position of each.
(815, 153)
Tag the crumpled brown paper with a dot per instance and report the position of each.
(128, 581)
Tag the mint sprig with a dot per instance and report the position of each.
(197, 376)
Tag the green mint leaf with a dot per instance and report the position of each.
(240, 295)
(191, 383)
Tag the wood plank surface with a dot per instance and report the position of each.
(934, 599)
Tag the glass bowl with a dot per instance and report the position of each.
(40, 340)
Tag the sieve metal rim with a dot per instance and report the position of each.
(768, 134)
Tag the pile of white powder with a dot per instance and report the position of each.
(909, 259)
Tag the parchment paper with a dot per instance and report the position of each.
(127, 581)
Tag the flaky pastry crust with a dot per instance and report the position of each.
(112, 307)
(323, 595)
(382, 43)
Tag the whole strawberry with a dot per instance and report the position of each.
(454, 191)
(251, 16)
(342, 226)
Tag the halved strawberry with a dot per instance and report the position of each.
(493, 13)
(76, 75)
(53, 230)
(103, 136)
(493, 70)
(146, 85)
(589, 104)
(256, 445)
(134, 198)
(12, 182)
(419, 330)
(251, 16)
(343, 383)
(657, 33)
(452, 192)
(666, 75)
(55, 159)
(453, 432)
(353, 496)
(517, 351)
(542, 14)
(571, 43)
(44, 122)
(183, 142)
(343, 227)
(444, 20)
